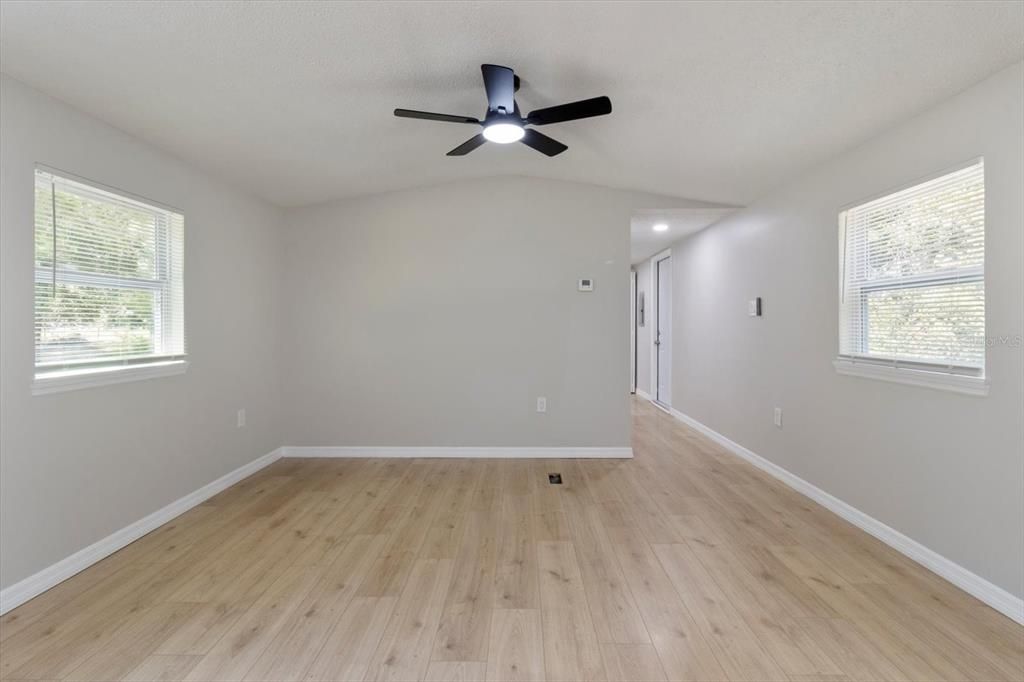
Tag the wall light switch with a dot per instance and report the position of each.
(542, 404)
(754, 307)
(778, 417)
(240, 422)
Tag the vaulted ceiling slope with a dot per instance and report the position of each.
(718, 101)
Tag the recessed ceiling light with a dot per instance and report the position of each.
(503, 133)
(660, 227)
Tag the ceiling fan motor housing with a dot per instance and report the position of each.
(503, 122)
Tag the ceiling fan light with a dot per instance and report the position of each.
(503, 133)
(660, 227)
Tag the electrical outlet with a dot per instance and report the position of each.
(778, 417)
(542, 404)
(241, 418)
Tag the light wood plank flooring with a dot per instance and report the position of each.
(682, 564)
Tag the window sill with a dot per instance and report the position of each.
(942, 381)
(71, 380)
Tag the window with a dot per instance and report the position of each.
(912, 284)
(108, 286)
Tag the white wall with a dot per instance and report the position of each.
(942, 468)
(436, 316)
(76, 466)
(427, 317)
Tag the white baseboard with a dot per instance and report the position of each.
(993, 595)
(459, 452)
(643, 394)
(34, 585)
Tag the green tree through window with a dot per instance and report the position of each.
(108, 277)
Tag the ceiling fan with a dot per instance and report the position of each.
(504, 124)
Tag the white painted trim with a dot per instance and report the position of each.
(644, 394)
(58, 382)
(943, 381)
(458, 452)
(109, 189)
(34, 585)
(993, 595)
(660, 256)
(667, 409)
(632, 331)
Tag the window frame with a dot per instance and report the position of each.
(88, 372)
(967, 379)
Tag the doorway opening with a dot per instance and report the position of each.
(633, 321)
(661, 360)
(653, 232)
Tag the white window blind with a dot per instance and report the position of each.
(108, 278)
(912, 289)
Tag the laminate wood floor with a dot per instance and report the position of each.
(684, 563)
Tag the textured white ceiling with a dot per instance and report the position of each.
(645, 242)
(716, 101)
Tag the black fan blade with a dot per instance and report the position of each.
(426, 115)
(468, 146)
(543, 143)
(596, 106)
(500, 83)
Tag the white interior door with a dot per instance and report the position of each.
(632, 331)
(663, 332)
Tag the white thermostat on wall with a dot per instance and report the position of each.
(586, 285)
